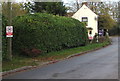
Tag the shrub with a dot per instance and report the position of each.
(4, 39)
(95, 38)
(101, 39)
(31, 52)
(115, 30)
(48, 32)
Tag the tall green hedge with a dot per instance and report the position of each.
(47, 32)
(115, 30)
(4, 39)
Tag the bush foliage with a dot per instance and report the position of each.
(106, 22)
(115, 30)
(4, 39)
(47, 32)
(31, 52)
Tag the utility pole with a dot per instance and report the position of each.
(9, 43)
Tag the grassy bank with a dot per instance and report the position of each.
(23, 61)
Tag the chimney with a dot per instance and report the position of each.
(84, 3)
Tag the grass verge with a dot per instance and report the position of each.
(18, 61)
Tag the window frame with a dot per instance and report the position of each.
(85, 19)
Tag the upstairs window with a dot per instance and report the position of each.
(85, 19)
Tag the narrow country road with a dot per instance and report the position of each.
(100, 64)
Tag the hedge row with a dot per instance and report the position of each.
(4, 39)
(115, 30)
(47, 32)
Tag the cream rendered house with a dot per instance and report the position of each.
(84, 14)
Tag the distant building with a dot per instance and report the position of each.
(84, 14)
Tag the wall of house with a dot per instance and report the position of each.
(84, 11)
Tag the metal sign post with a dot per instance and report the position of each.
(9, 47)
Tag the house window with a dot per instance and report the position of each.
(85, 19)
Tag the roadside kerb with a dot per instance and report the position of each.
(46, 63)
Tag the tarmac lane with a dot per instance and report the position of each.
(99, 64)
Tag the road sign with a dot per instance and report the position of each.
(9, 31)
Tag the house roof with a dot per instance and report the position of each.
(84, 7)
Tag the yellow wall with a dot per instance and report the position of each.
(84, 11)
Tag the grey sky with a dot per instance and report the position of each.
(66, 1)
(69, 1)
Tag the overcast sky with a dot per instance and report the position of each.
(67, 1)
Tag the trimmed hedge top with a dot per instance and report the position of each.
(48, 32)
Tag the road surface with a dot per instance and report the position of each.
(100, 64)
